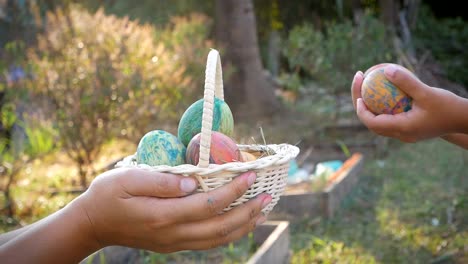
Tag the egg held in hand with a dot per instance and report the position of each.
(223, 149)
(159, 147)
(191, 121)
(381, 96)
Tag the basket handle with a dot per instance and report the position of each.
(213, 87)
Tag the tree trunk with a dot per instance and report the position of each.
(413, 10)
(357, 10)
(389, 14)
(82, 172)
(9, 201)
(248, 90)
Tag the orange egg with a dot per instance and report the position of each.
(247, 156)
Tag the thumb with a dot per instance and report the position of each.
(405, 80)
(141, 182)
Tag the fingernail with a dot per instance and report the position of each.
(355, 75)
(266, 200)
(359, 105)
(251, 178)
(261, 219)
(188, 185)
(390, 71)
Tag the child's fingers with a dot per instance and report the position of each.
(384, 124)
(356, 87)
(406, 81)
(364, 115)
(380, 124)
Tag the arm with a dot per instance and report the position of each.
(14, 233)
(64, 235)
(435, 112)
(5, 237)
(140, 209)
(457, 139)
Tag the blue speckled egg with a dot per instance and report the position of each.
(159, 147)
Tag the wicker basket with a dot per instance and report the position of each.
(271, 168)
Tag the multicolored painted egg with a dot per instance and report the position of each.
(159, 147)
(381, 96)
(223, 149)
(191, 121)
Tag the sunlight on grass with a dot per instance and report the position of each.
(410, 207)
(328, 251)
(412, 237)
(424, 188)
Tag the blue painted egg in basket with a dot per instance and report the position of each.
(159, 147)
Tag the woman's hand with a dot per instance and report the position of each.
(141, 209)
(154, 211)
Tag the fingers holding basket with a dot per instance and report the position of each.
(222, 229)
(204, 205)
(140, 182)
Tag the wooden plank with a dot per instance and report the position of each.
(292, 206)
(337, 190)
(275, 249)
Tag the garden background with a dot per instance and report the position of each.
(82, 81)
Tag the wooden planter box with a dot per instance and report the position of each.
(325, 203)
(272, 238)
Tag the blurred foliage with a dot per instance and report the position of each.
(447, 40)
(24, 134)
(331, 57)
(288, 14)
(18, 20)
(157, 12)
(102, 76)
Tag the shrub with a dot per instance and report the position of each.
(24, 135)
(105, 76)
(333, 56)
(446, 39)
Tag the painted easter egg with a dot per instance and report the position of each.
(247, 156)
(191, 121)
(381, 96)
(159, 147)
(223, 149)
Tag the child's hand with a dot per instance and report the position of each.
(154, 211)
(435, 112)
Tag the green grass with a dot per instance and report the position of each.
(411, 207)
(233, 253)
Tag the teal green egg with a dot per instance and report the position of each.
(159, 147)
(191, 121)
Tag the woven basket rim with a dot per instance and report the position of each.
(283, 153)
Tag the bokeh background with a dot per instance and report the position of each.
(82, 81)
